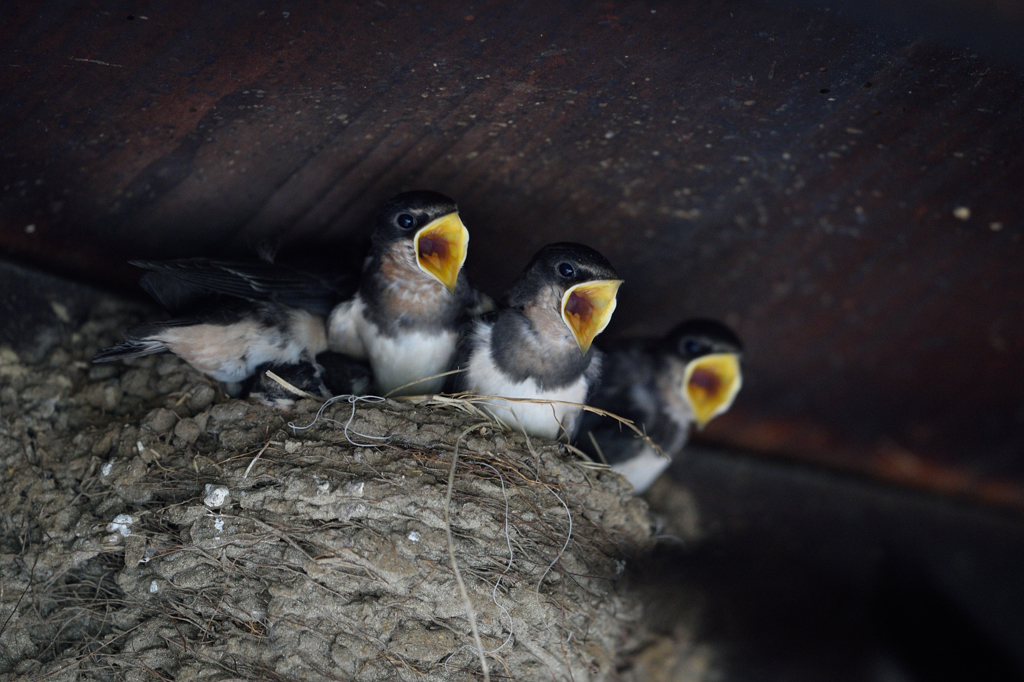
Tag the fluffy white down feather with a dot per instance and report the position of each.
(547, 420)
(641, 471)
(396, 361)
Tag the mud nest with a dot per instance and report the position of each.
(152, 528)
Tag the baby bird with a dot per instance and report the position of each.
(412, 297)
(688, 378)
(537, 346)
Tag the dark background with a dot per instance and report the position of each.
(842, 184)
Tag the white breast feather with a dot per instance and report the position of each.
(395, 361)
(411, 356)
(536, 419)
(641, 471)
(343, 326)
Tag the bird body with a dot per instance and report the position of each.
(234, 316)
(399, 357)
(402, 360)
(639, 388)
(548, 419)
(229, 343)
(537, 346)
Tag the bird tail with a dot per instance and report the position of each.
(138, 341)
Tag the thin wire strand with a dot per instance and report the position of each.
(494, 592)
(352, 400)
(568, 537)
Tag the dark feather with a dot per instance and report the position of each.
(182, 284)
(344, 375)
(305, 376)
(129, 348)
(464, 349)
(625, 373)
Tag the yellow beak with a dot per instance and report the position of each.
(587, 309)
(710, 384)
(441, 248)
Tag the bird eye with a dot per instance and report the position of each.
(566, 270)
(694, 348)
(405, 221)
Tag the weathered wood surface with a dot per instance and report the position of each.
(850, 203)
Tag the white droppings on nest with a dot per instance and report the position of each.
(414, 537)
(219, 523)
(107, 468)
(216, 496)
(61, 311)
(153, 587)
(121, 524)
(140, 446)
(292, 446)
(322, 487)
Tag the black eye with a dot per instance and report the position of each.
(405, 221)
(566, 270)
(694, 348)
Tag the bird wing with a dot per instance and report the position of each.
(593, 373)
(608, 390)
(604, 440)
(182, 284)
(470, 340)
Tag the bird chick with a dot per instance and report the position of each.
(666, 388)
(537, 346)
(412, 296)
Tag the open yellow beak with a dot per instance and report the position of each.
(441, 248)
(587, 308)
(710, 384)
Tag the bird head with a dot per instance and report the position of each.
(430, 222)
(711, 355)
(585, 282)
